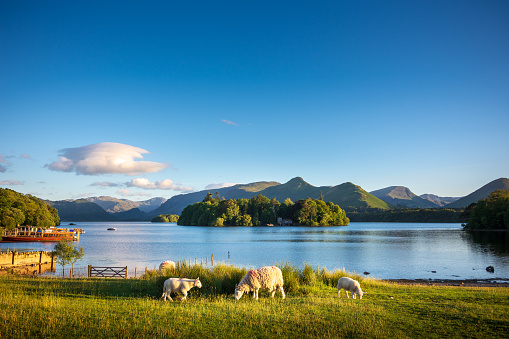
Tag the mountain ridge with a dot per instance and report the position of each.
(403, 196)
(296, 188)
(481, 193)
(346, 195)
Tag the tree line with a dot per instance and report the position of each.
(20, 209)
(260, 210)
(491, 213)
(444, 215)
(165, 218)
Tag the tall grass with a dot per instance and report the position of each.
(222, 278)
(97, 308)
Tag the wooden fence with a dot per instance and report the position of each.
(107, 272)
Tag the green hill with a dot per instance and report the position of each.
(80, 210)
(177, 203)
(481, 193)
(350, 195)
(344, 195)
(114, 205)
(20, 209)
(402, 197)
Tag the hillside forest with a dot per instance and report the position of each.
(260, 210)
(491, 213)
(20, 209)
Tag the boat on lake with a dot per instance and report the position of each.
(112, 229)
(38, 234)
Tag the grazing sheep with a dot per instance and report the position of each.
(179, 285)
(166, 265)
(269, 278)
(348, 284)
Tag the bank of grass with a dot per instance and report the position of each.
(90, 308)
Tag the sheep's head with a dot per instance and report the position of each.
(198, 282)
(238, 292)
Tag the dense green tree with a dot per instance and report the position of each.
(208, 197)
(20, 209)
(259, 210)
(166, 218)
(490, 213)
(406, 215)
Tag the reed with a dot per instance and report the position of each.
(131, 308)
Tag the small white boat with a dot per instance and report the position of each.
(112, 229)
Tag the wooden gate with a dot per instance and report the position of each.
(107, 272)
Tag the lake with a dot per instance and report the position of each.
(385, 250)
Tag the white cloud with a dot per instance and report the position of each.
(165, 184)
(228, 122)
(219, 185)
(104, 158)
(11, 182)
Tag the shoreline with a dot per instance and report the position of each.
(496, 282)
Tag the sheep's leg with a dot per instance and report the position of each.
(346, 292)
(255, 294)
(166, 294)
(184, 292)
(339, 290)
(282, 291)
(272, 293)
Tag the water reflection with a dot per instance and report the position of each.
(496, 242)
(386, 250)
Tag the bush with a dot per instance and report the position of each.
(221, 279)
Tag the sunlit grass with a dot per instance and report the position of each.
(91, 308)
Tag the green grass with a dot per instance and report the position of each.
(92, 308)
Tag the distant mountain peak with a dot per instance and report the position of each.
(481, 193)
(402, 196)
(297, 181)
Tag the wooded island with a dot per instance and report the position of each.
(260, 210)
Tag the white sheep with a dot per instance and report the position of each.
(269, 278)
(166, 265)
(348, 284)
(181, 285)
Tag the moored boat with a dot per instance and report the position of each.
(112, 229)
(37, 234)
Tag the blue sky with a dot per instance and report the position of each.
(155, 98)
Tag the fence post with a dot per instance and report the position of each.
(212, 259)
(89, 270)
(13, 256)
(126, 272)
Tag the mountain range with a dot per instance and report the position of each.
(346, 195)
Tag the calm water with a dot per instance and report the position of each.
(386, 250)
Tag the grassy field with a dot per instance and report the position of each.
(97, 308)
